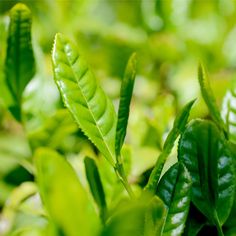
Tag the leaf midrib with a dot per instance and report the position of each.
(88, 106)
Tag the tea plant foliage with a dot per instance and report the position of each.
(143, 216)
(175, 191)
(95, 185)
(229, 114)
(65, 192)
(208, 96)
(64, 197)
(204, 151)
(178, 127)
(19, 63)
(85, 99)
(125, 99)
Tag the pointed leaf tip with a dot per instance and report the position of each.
(126, 93)
(84, 98)
(20, 7)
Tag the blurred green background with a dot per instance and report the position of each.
(170, 38)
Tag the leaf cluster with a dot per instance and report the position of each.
(196, 194)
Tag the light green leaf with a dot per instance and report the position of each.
(178, 127)
(63, 195)
(126, 92)
(87, 102)
(19, 63)
(95, 185)
(205, 153)
(209, 97)
(175, 189)
(143, 216)
(54, 131)
(154, 217)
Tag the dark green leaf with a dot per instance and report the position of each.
(95, 185)
(174, 189)
(230, 232)
(63, 195)
(81, 94)
(231, 221)
(209, 97)
(125, 99)
(178, 127)
(195, 222)
(204, 151)
(19, 64)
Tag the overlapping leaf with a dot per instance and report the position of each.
(175, 190)
(125, 99)
(63, 195)
(81, 94)
(141, 217)
(19, 63)
(205, 153)
(178, 127)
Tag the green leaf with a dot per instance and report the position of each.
(231, 221)
(63, 195)
(95, 185)
(209, 97)
(126, 92)
(19, 63)
(195, 222)
(143, 216)
(54, 131)
(174, 189)
(229, 114)
(178, 127)
(87, 102)
(154, 217)
(205, 153)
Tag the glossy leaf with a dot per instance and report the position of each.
(178, 127)
(19, 63)
(63, 195)
(175, 189)
(204, 151)
(209, 97)
(81, 94)
(231, 221)
(95, 185)
(195, 222)
(229, 114)
(126, 92)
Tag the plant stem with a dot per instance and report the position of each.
(217, 223)
(219, 230)
(119, 169)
